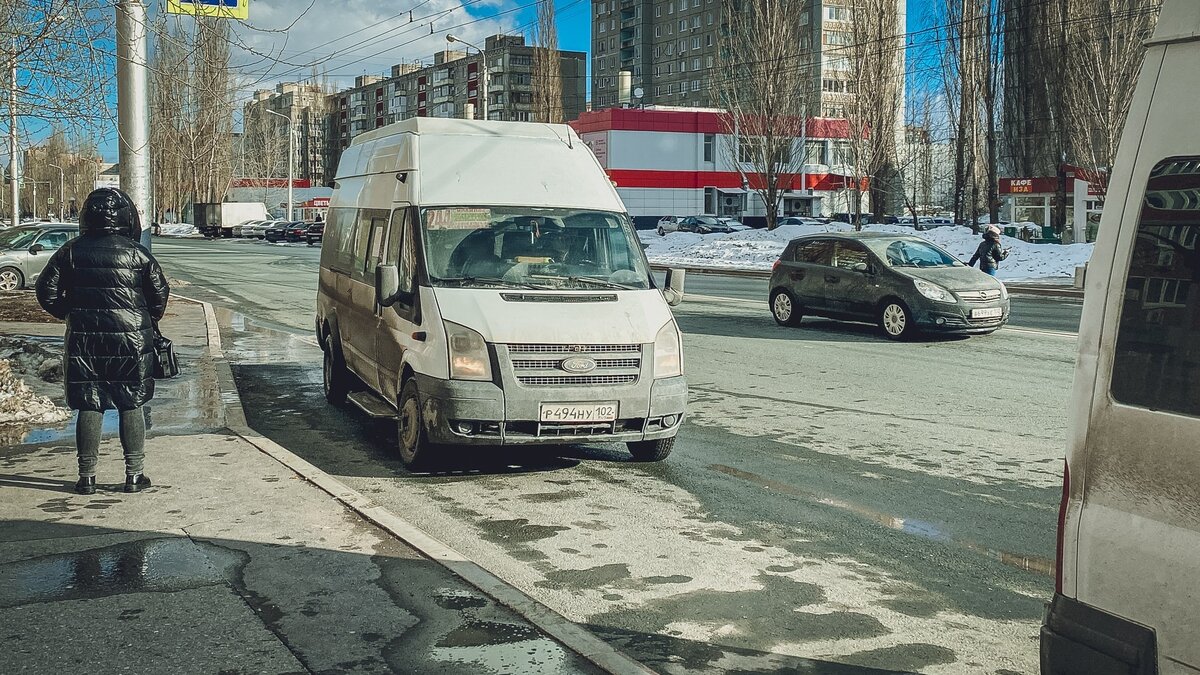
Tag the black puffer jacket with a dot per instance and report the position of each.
(989, 253)
(108, 288)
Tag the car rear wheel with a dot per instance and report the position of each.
(784, 309)
(661, 231)
(651, 451)
(11, 279)
(895, 320)
(415, 449)
(335, 377)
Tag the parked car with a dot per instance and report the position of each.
(25, 250)
(668, 224)
(704, 225)
(277, 231)
(239, 230)
(315, 233)
(733, 223)
(801, 220)
(259, 230)
(297, 231)
(903, 283)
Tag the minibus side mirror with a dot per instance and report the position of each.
(387, 284)
(673, 293)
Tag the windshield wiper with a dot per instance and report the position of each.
(601, 282)
(463, 281)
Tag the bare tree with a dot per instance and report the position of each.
(64, 170)
(547, 69)
(764, 98)
(874, 67)
(192, 110)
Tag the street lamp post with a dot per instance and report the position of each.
(61, 179)
(291, 156)
(483, 85)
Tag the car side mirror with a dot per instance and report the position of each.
(36, 249)
(673, 293)
(861, 267)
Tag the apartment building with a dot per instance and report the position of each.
(262, 149)
(447, 86)
(671, 48)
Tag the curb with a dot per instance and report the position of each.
(568, 633)
(1018, 288)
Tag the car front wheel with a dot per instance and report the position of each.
(784, 309)
(661, 232)
(651, 451)
(896, 320)
(11, 279)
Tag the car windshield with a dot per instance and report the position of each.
(530, 247)
(708, 220)
(18, 238)
(911, 253)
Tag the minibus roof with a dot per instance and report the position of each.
(1178, 21)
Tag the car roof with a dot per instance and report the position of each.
(856, 236)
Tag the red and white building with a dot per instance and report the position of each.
(680, 161)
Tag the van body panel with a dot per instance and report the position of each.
(1131, 535)
(634, 317)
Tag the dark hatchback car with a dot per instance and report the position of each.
(900, 282)
(314, 233)
(285, 230)
(704, 225)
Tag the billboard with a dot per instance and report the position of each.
(226, 9)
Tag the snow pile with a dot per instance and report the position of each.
(20, 405)
(759, 249)
(176, 230)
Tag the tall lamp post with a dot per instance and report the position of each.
(61, 180)
(483, 86)
(291, 157)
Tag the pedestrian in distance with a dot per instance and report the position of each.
(989, 253)
(111, 292)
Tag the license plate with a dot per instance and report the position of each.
(578, 413)
(987, 312)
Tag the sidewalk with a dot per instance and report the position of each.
(231, 563)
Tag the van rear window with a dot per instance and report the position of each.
(1157, 359)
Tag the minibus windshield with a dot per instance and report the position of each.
(529, 247)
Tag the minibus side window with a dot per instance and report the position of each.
(1156, 363)
(337, 252)
(401, 248)
(368, 220)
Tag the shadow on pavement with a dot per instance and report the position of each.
(76, 598)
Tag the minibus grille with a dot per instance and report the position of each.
(572, 349)
(545, 365)
(574, 380)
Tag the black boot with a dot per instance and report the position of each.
(86, 485)
(136, 483)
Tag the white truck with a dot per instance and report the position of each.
(217, 219)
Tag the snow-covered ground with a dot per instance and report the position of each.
(759, 249)
(177, 230)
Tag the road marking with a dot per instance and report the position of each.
(1040, 331)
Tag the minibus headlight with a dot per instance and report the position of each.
(468, 353)
(668, 352)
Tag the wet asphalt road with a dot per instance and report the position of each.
(834, 498)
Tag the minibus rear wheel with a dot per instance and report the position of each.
(335, 376)
(651, 451)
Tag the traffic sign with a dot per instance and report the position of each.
(225, 9)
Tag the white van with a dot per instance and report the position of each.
(482, 283)
(1128, 583)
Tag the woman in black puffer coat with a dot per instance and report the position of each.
(110, 290)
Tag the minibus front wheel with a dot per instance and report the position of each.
(415, 449)
(335, 376)
(651, 451)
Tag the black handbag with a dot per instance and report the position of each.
(166, 365)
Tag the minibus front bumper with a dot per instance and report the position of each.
(459, 412)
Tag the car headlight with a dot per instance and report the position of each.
(1003, 290)
(933, 291)
(668, 352)
(468, 353)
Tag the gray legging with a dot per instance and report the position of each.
(133, 440)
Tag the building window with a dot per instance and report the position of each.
(658, 10)
(708, 40)
(670, 8)
(682, 25)
(695, 22)
(612, 44)
(696, 63)
(603, 27)
(696, 43)
(658, 31)
(837, 13)
(695, 85)
(709, 141)
(683, 66)
(670, 49)
(837, 37)
(804, 18)
(708, 62)
(708, 18)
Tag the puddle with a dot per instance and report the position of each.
(250, 341)
(919, 528)
(149, 565)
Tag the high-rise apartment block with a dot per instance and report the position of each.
(671, 49)
(445, 88)
(263, 146)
